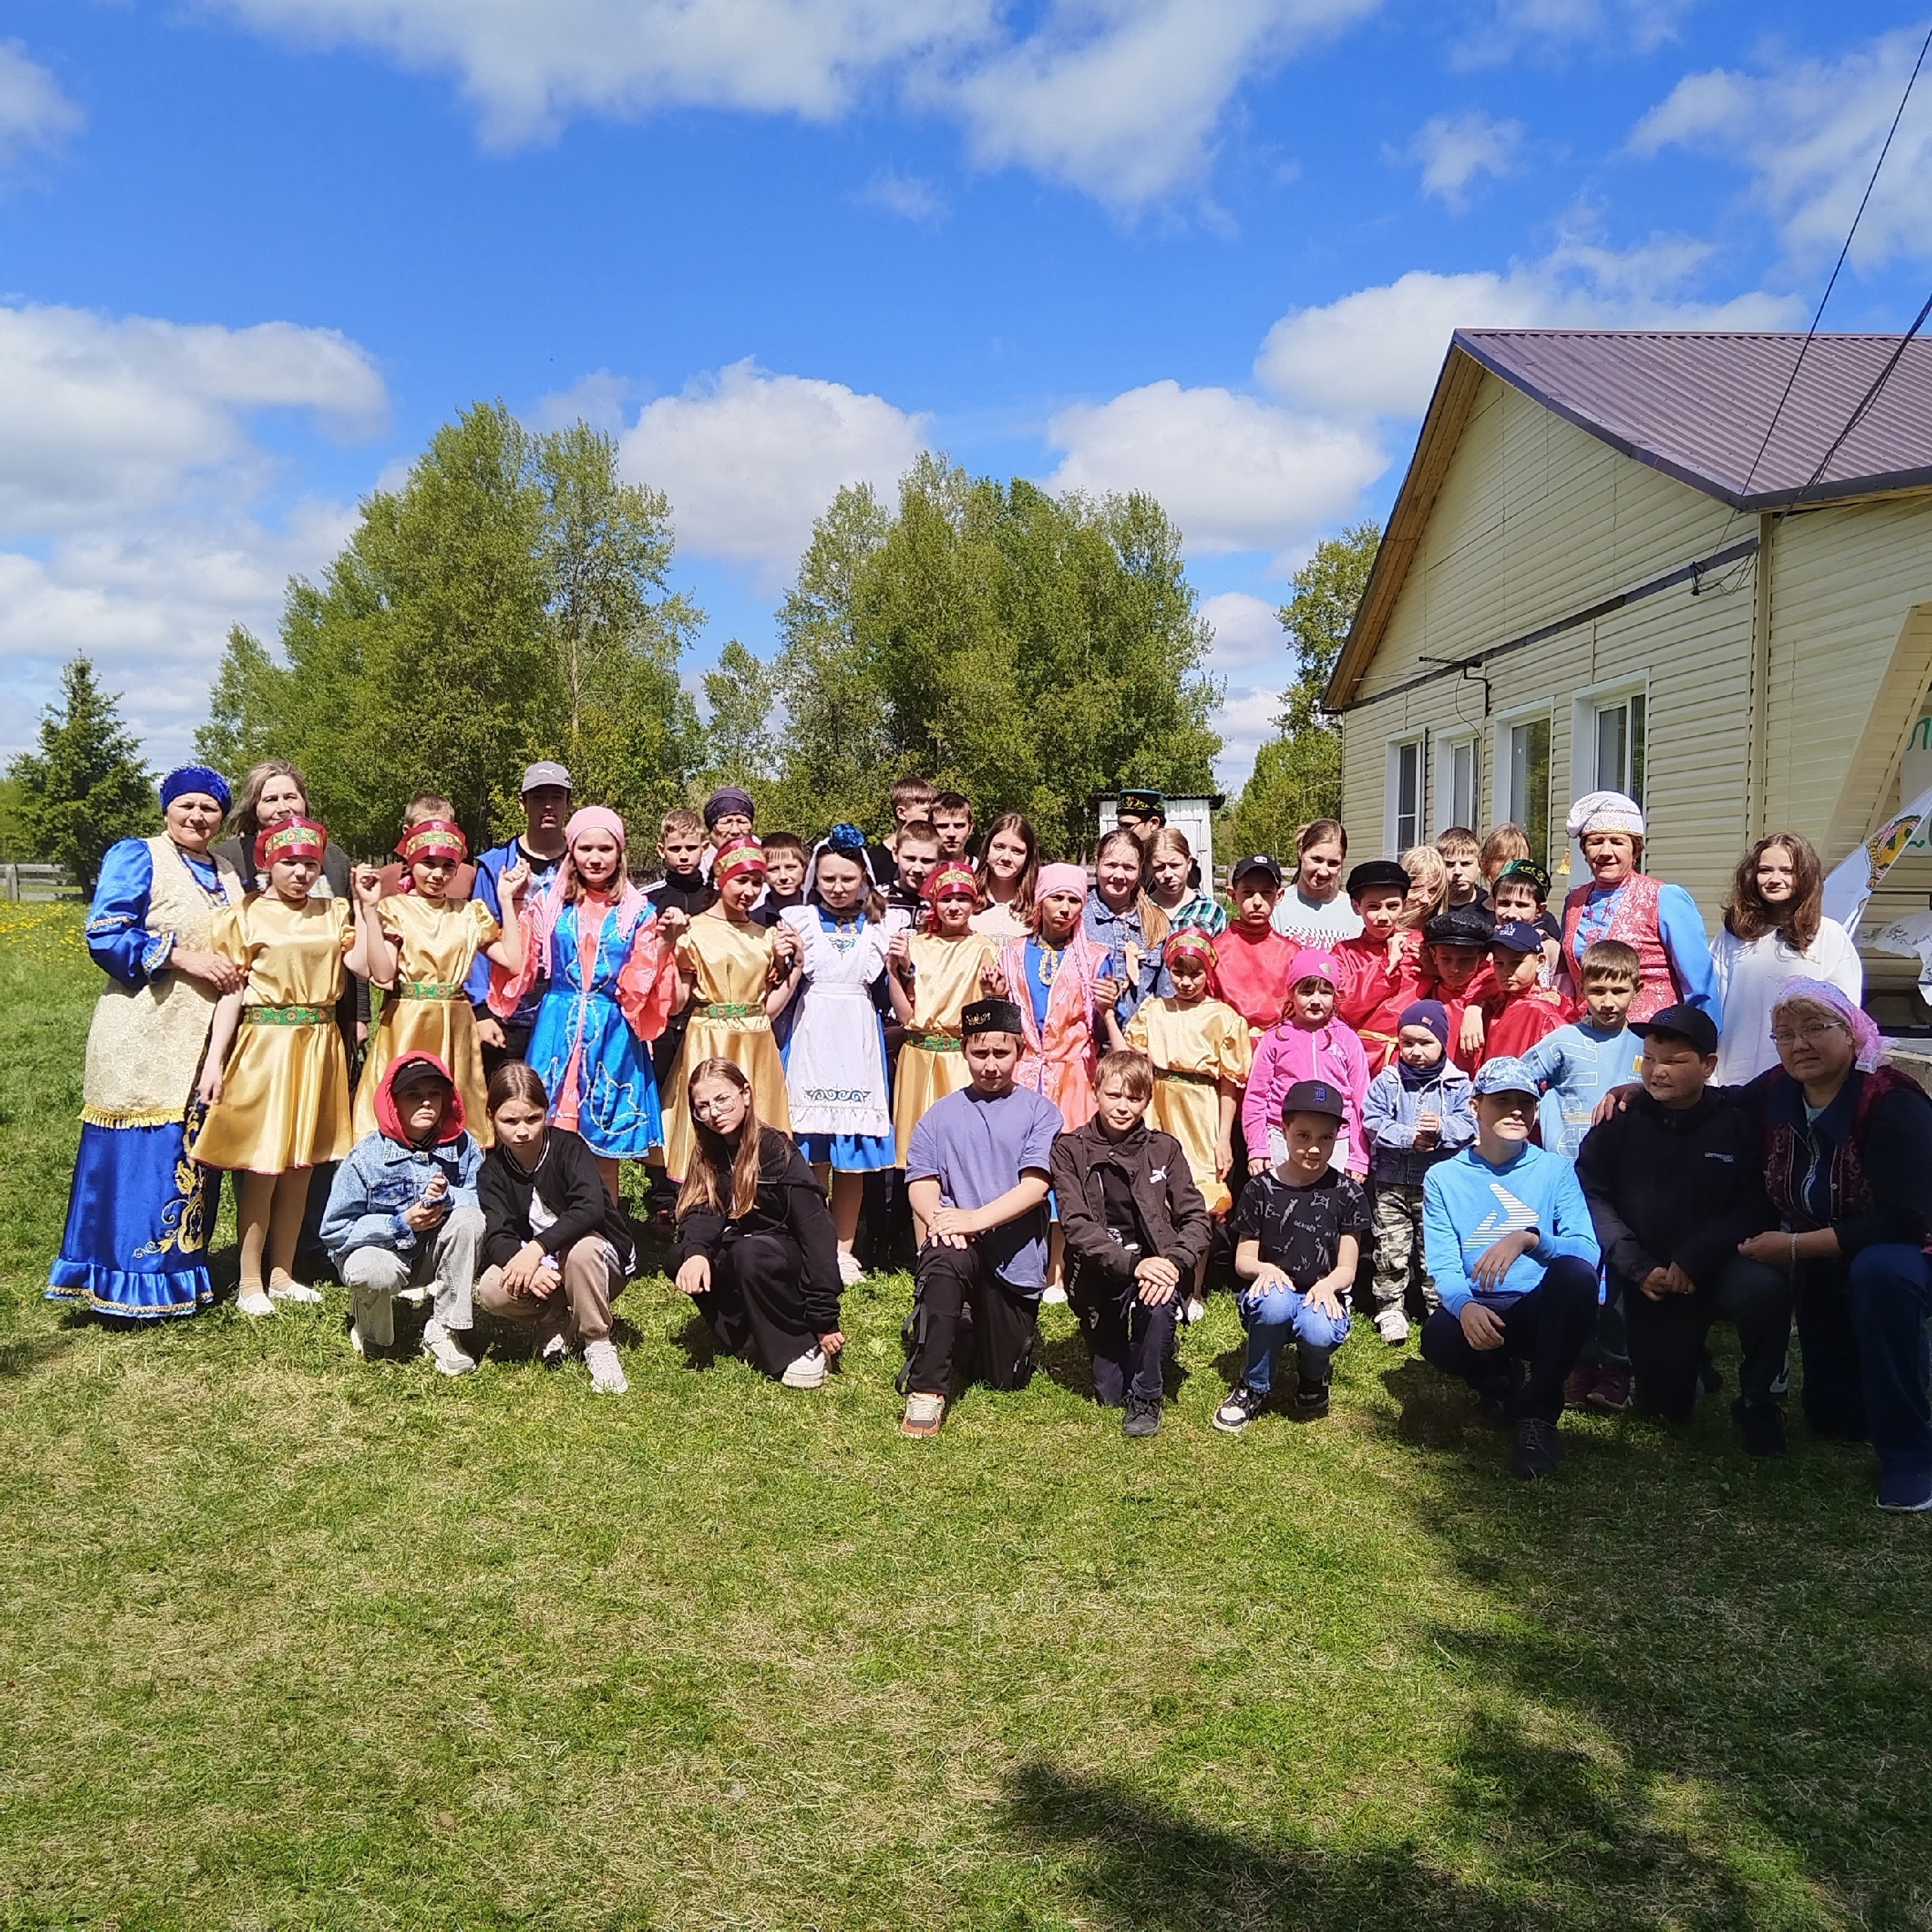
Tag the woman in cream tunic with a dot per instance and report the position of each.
(136, 1243)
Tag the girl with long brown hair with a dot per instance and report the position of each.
(1009, 864)
(1774, 929)
(757, 1251)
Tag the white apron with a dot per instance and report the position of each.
(834, 1062)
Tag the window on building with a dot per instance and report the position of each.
(1405, 800)
(1529, 783)
(1457, 803)
(1620, 747)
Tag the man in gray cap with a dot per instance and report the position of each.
(547, 806)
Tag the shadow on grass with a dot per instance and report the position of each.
(26, 1354)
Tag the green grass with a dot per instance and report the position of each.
(294, 1642)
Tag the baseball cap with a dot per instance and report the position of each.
(1314, 1096)
(1688, 1023)
(1258, 862)
(1517, 936)
(544, 771)
(1505, 1074)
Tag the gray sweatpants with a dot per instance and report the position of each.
(447, 1260)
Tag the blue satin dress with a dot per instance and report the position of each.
(582, 1047)
(140, 1212)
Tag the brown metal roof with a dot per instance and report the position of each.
(1697, 405)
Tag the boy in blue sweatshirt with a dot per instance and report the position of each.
(1508, 1238)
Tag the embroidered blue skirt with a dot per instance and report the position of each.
(138, 1221)
(849, 1153)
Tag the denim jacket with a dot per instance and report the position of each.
(380, 1178)
(1389, 1120)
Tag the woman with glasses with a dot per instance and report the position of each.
(1774, 926)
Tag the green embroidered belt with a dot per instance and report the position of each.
(1192, 1079)
(936, 1043)
(442, 989)
(288, 1016)
(726, 1009)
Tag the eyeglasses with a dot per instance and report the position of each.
(718, 1103)
(1810, 1033)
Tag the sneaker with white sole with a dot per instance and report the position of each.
(442, 1347)
(924, 1412)
(254, 1301)
(556, 1352)
(357, 1345)
(1392, 1325)
(1196, 1310)
(851, 1269)
(807, 1372)
(287, 1289)
(1054, 1298)
(607, 1373)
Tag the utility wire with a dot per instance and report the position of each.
(1865, 402)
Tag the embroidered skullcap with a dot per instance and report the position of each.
(736, 856)
(428, 837)
(290, 838)
(724, 802)
(1059, 878)
(989, 1016)
(1604, 811)
(1537, 875)
(203, 778)
(1863, 1029)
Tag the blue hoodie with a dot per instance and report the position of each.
(1467, 1205)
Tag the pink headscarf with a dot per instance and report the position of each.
(542, 913)
(1059, 878)
(1865, 1037)
(1311, 963)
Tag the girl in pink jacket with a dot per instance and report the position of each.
(1310, 1043)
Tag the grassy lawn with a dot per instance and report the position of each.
(291, 1640)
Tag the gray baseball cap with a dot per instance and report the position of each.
(544, 771)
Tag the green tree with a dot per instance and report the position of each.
(1029, 649)
(740, 747)
(510, 602)
(1297, 775)
(87, 785)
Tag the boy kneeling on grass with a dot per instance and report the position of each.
(1135, 1228)
(403, 1213)
(977, 1174)
(1675, 1182)
(1298, 1230)
(1507, 1235)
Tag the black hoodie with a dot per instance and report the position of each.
(566, 1176)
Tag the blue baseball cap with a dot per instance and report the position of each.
(1505, 1074)
(1517, 936)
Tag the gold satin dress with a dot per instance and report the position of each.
(427, 1011)
(945, 981)
(729, 968)
(284, 1101)
(1193, 1048)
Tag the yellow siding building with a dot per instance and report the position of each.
(1602, 572)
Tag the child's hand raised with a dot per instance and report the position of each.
(674, 922)
(514, 882)
(367, 884)
(898, 954)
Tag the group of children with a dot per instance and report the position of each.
(1111, 1092)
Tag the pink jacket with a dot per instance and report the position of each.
(1286, 1053)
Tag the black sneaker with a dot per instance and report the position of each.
(1762, 1425)
(1241, 1408)
(1536, 1448)
(1311, 1403)
(1710, 1377)
(1142, 1417)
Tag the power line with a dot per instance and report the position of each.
(1865, 402)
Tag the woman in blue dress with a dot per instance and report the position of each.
(604, 953)
(138, 1218)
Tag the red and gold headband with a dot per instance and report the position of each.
(950, 881)
(289, 838)
(429, 837)
(1191, 939)
(736, 856)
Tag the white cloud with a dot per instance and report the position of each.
(1810, 131)
(750, 459)
(601, 399)
(34, 115)
(1246, 722)
(1121, 98)
(1548, 27)
(1377, 352)
(1248, 635)
(910, 196)
(1234, 473)
(1454, 149)
(100, 415)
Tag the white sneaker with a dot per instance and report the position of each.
(924, 1414)
(1392, 1325)
(1052, 1298)
(851, 1271)
(445, 1351)
(556, 1352)
(606, 1373)
(356, 1343)
(1196, 1311)
(255, 1301)
(292, 1291)
(807, 1372)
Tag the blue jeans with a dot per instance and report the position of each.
(1861, 1332)
(1271, 1316)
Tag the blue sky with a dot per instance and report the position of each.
(252, 252)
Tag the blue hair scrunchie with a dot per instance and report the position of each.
(196, 778)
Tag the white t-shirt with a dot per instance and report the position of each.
(1314, 923)
(1749, 973)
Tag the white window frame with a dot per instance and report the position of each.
(1502, 805)
(1417, 742)
(1446, 746)
(1584, 706)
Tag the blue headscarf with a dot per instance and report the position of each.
(196, 778)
